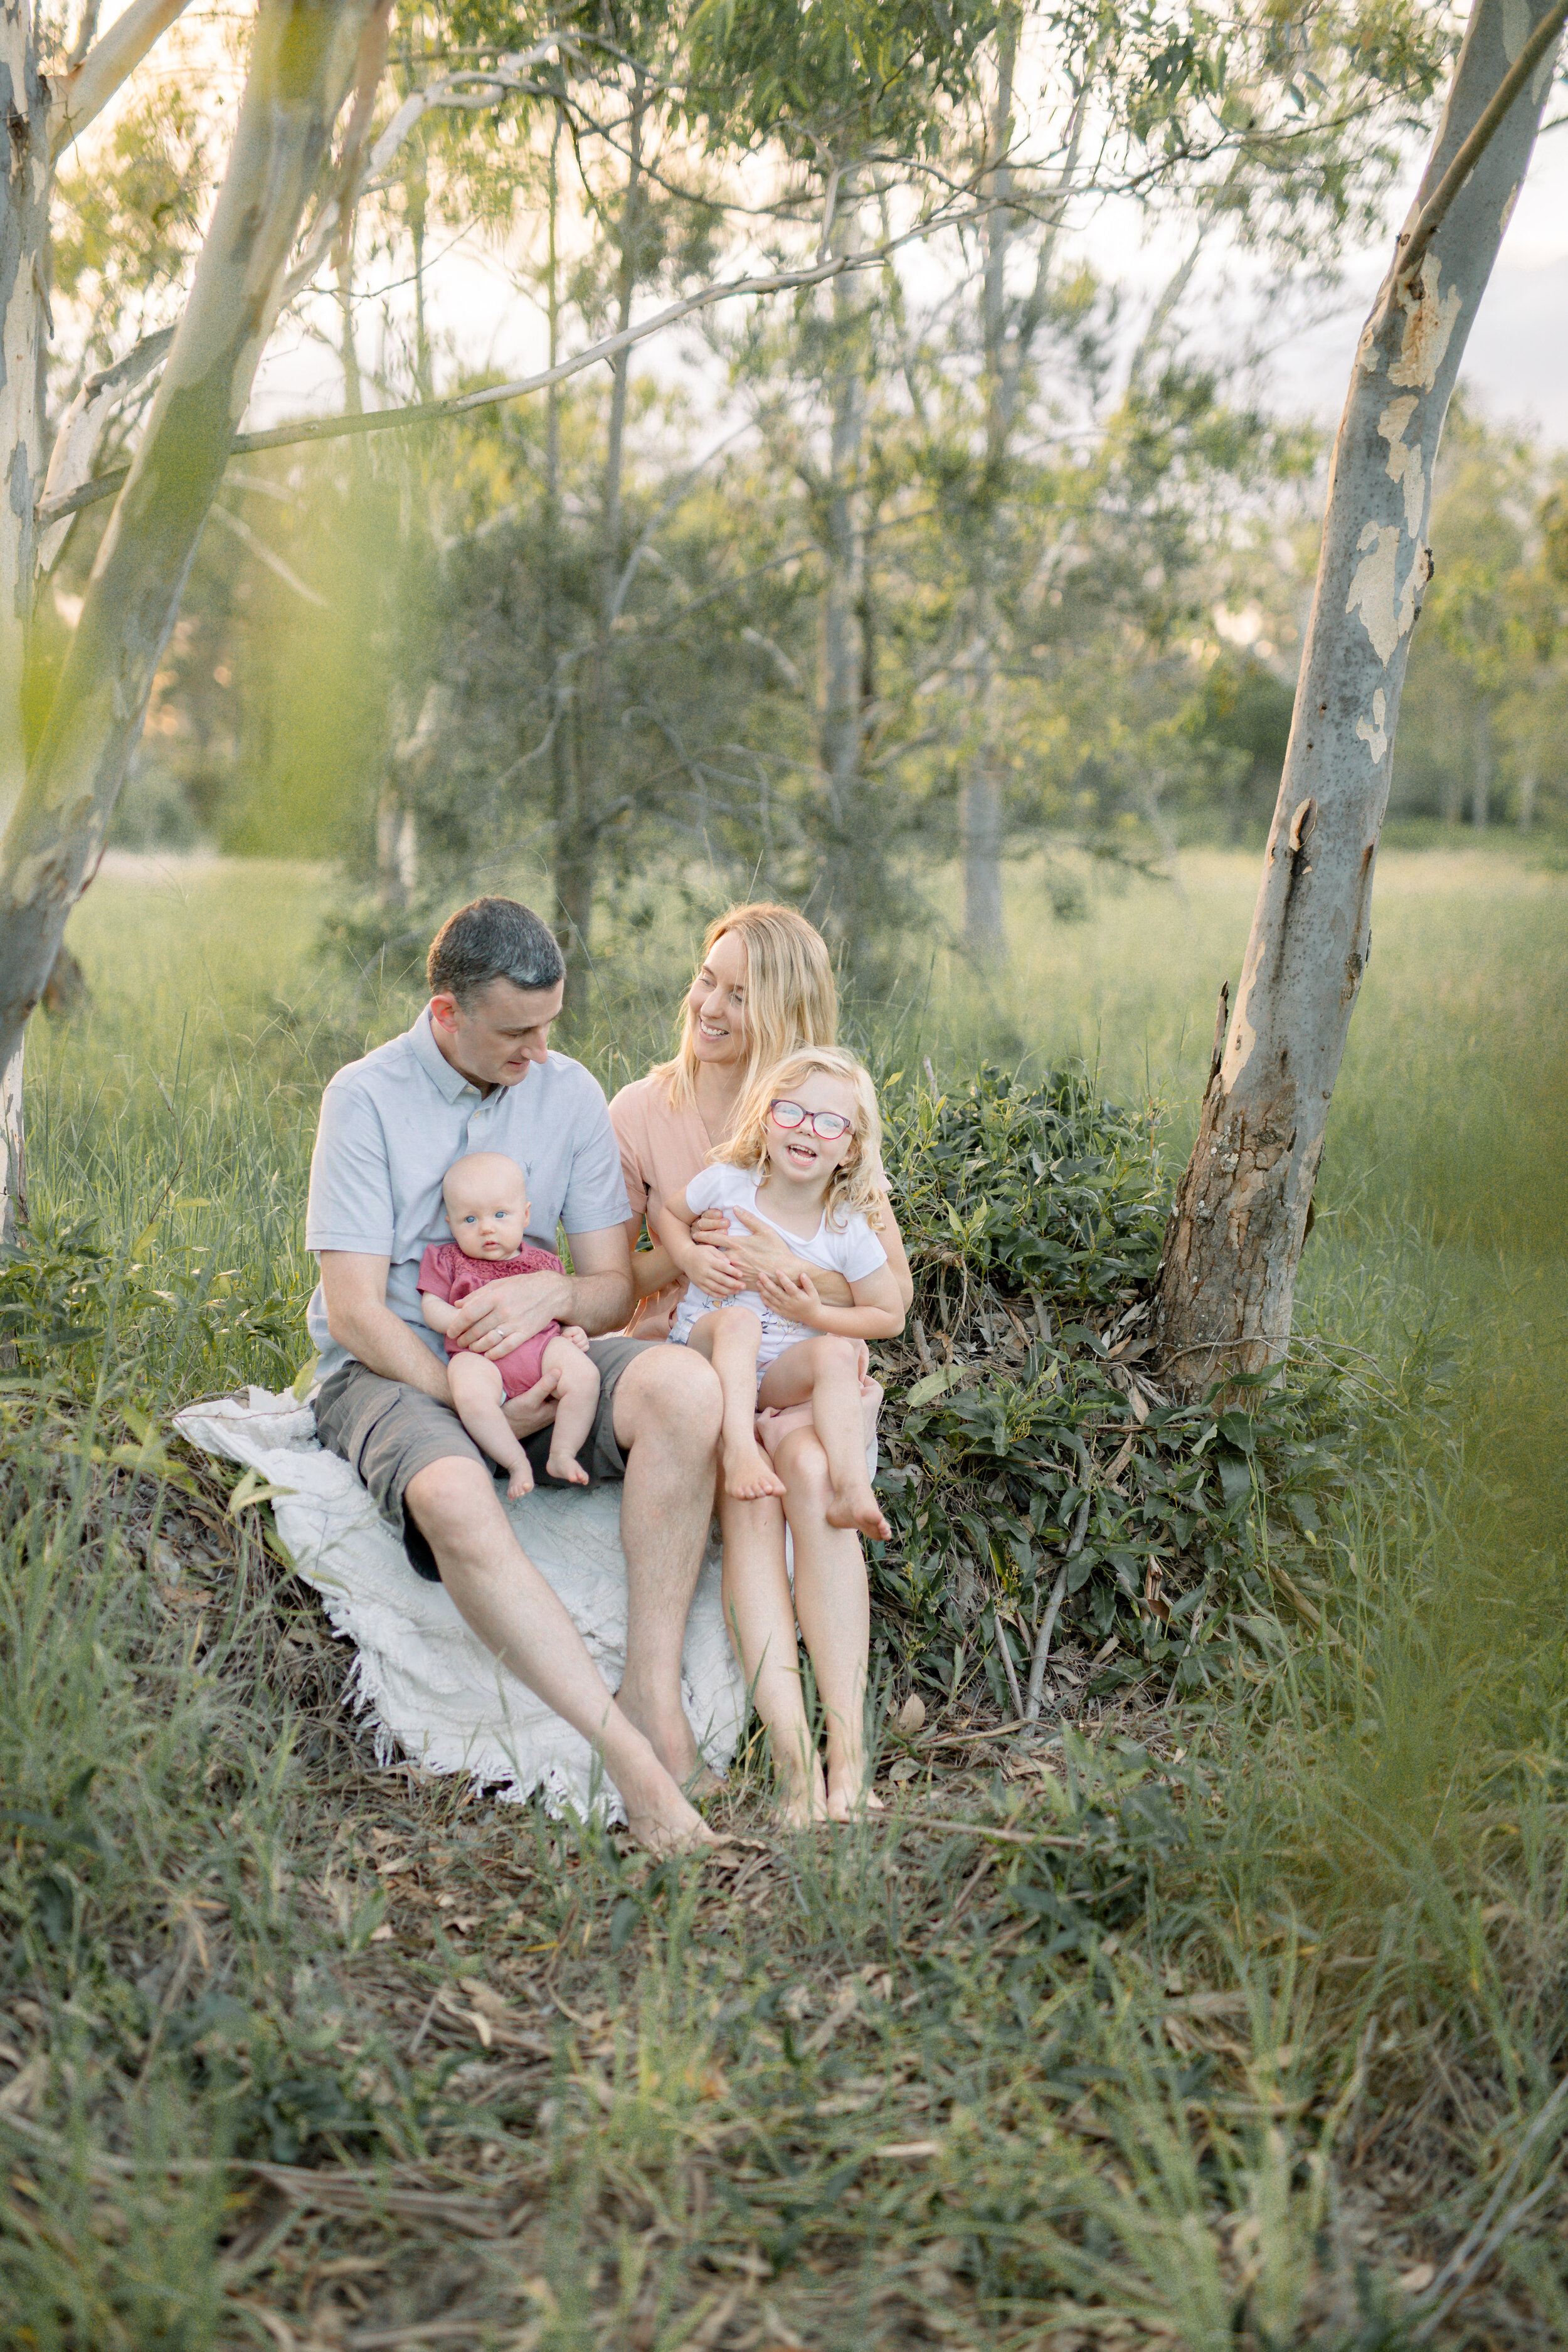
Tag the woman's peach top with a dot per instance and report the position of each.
(662, 1148)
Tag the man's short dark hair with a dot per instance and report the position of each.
(495, 938)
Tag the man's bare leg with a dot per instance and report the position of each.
(730, 1339)
(477, 1399)
(577, 1378)
(668, 1410)
(761, 1617)
(501, 1593)
(832, 1603)
(829, 1367)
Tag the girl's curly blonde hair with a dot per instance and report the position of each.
(854, 1186)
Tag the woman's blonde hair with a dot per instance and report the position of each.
(854, 1186)
(790, 996)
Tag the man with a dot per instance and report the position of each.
(474, 1074)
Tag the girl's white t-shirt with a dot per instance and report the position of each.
(851, 1249)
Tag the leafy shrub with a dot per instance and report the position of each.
(1025, 1441)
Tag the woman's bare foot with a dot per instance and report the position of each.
(802, 1797)
(857, 1506)
(569, 1470)
(521, 1482)
(748, 1473)
(850, 1795)
(662, 1837)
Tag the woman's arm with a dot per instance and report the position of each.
(653, 1270)
(877, 1312)
(892, 1240)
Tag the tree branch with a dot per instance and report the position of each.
(1434, 210)
(83, 92)
(431, 412)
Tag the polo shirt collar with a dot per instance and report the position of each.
(451, 1083)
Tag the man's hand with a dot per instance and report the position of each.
(496, 1319)
(535, 1408)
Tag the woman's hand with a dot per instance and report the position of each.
(762, 1251)
(716, 1272)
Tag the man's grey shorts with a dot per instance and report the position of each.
(387, 1432)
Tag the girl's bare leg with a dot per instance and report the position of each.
(833, 1604)
(477, 1397)
(577, 1378)
(761, 1617)
(730, 1339)
(830, 1366)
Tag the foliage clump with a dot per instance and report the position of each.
(1026, 1438)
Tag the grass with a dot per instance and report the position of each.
(1230, 2018)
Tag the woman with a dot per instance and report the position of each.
(765, 987)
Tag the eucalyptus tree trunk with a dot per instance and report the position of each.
(302, 64)
(1227, 1281)
(582, 784)
(1007, 358)
(854, 862)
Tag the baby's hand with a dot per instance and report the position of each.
(575, 1333)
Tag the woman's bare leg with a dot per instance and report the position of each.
(830, 1368)
(832, 1603)
(761, 1617)
(477, 1398)
(730, 1339)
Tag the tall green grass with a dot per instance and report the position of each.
(1263, 2052)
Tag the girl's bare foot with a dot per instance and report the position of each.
(749, 1475)
(568, 1469)
(850, 1796)
(857, 1506)
(521, 1482)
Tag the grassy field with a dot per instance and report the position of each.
(1189, 2022)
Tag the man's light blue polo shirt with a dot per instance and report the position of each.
(392, 1124)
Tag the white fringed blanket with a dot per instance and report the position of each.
(427, 1685)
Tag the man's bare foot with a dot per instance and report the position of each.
(850, 1796)
(857, 1506)
(660, 1834)
(521, 1482)
(569, 1470)
(749, 1475)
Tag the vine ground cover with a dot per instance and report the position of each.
(1217, 2011)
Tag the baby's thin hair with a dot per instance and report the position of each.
(852, 1188)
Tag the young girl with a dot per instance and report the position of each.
(805, 1156)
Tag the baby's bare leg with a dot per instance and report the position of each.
(577, 1378)
(730, 1339)
(477, 1397)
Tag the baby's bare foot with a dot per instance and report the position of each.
(521, 1482)
(748, 1473)
(857, 1506)
(569, 1470)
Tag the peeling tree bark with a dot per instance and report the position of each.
(1227, 1281)
(303, 66)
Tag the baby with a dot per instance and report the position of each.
(487, 1209)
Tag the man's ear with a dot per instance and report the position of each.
(444, 1010)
